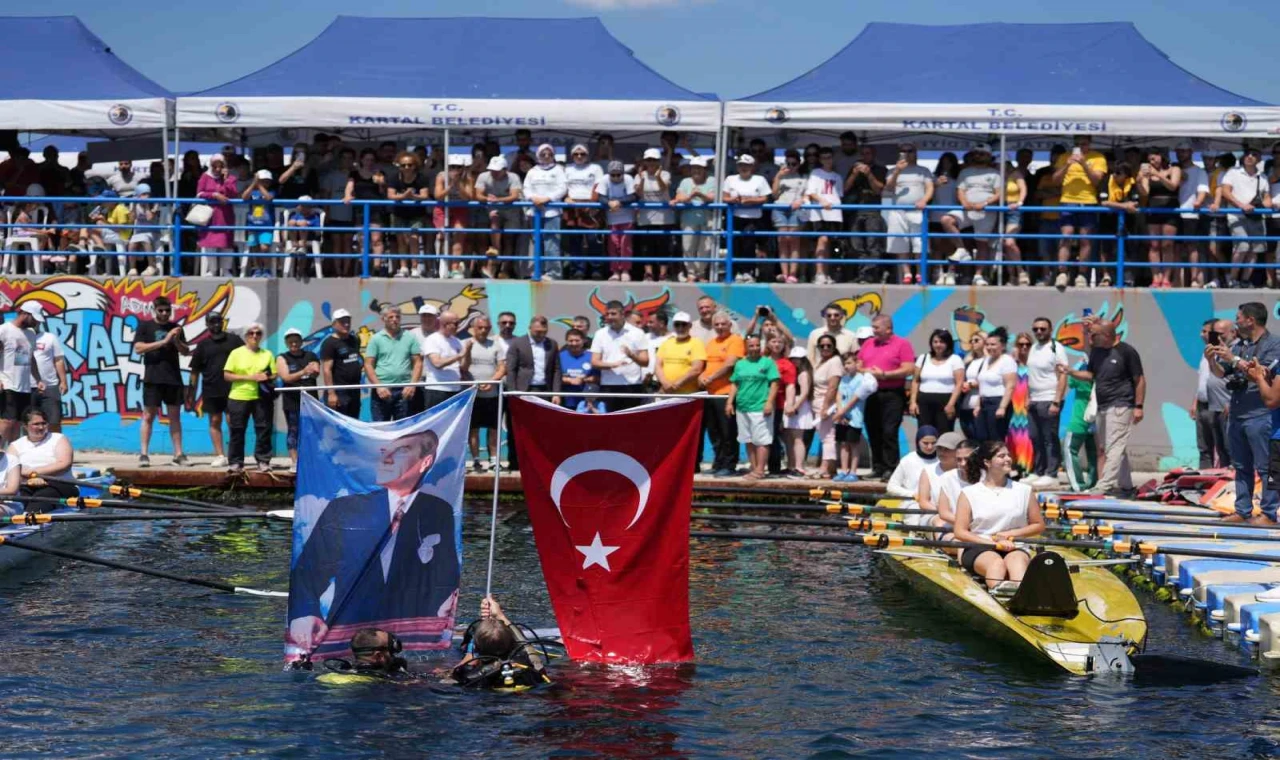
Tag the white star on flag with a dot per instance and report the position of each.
(596, 554)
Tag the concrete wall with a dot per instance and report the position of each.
(96, 320)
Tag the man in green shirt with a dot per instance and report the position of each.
(392, 358)
(1083, 475)
(753, 389)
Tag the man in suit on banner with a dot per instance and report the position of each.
(385, 558)
(532, 365)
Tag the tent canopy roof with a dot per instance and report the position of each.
(1061, 64)
(58, 58)
(572, 59)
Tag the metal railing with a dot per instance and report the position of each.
(541, 242)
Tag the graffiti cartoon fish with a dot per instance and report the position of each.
(1071, 333)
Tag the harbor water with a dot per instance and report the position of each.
(802, 651)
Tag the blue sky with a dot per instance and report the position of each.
(729, 47)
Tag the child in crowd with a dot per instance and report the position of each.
(118, 230)
(1079, 439)
(261, 217)
(305, 223)
(855, 387)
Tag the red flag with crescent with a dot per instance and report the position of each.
(609, 498)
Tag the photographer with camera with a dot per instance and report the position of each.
(1249, 426)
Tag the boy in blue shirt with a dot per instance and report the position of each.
(576, 372)
(262, 215)
(855, 387)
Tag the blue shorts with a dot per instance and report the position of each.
(264, 238)
(1012, 219)
(1078, 219)
(789, 218)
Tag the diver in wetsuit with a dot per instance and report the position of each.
(376, 655)
(498, 656)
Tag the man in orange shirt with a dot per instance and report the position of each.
(723, 351)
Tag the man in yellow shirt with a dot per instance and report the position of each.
(681, 358)
(1078, 173)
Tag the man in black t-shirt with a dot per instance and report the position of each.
(409, 184)
(342, 364)
(159, 343)
(863, 186)
(1120, 387)
(207, 361)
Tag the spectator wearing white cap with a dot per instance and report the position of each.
(545, 184)
(342, 364)
(16, 339)
(208, 359)
(454, 186)
(262, 218)
(746, 192)
(696, 190)
(977, 187)
(581, 178)
(797, 412)
(653, 188)
(909, 185)
(497, 185)
(297, 368)
(617, 190)
(48, 369)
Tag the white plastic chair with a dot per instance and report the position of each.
(10, 261)
(313, 245)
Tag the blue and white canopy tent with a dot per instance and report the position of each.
(465, 74)
(1103, 79)
(57, 76)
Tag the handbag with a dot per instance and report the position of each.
(1091, 411)
(200, 215)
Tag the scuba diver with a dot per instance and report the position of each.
(498, 656)
(375, 656)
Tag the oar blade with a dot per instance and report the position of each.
(1177, 670)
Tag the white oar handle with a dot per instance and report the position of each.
(260, 592)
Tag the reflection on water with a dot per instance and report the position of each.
(803, 651)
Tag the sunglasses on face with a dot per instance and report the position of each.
(1040, 329)
(254, 332)
(506, 324)
(1024, 345)
(406, 166)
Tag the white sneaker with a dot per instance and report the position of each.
(401, 273)
(420, 271)
(549, 277)
(682, 277)
(950, 280)
(1082, 281)
(1270, 595)
(1045, 481)
(133, 272)
(1061, 281)
(961, 254)
(749, 278)
(1024, 279)
(218, 462)
(626, 277)
(149, 272)
(613, 277)
(979, 280)
(942, 279)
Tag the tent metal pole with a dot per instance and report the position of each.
(721, 145)
(999, 257)
(446, 250)
(177, 163)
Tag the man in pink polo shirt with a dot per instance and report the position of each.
(891, 361)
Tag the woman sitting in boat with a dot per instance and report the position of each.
(905, 479)
(947, 493)
(10, 485)
(929, 490)
(42, 453)
(995, 510)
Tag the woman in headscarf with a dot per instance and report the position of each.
(905, 480)
(545, 184)
(216, 188)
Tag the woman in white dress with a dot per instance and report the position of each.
(798, 413)
(994, 511)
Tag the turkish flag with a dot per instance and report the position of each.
(609, 498)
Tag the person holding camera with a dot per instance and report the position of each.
(1213, 400)
(1249, 425)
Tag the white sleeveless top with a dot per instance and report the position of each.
(995, 510)
(949, 483)
(38, 454)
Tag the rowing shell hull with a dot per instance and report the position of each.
(1065, 643)
(61, 535)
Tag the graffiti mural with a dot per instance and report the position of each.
(96, 320)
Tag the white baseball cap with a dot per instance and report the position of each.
(797, 353)
(427, 308)
(653, 153)
(497, 164)
(746, 158)
(682, 316)
(304, 198)
(34, 309)
(292, 331)
(263, 174)
(982, 148)
(341, 314)
(459, 161)
(863, 333)
(699, 161)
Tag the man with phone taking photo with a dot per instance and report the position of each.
(1209, 409)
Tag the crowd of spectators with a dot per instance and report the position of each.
(644, 216)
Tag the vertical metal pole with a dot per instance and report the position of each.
(442, 270)
(493, 516)
(722, 144)
(999, 252)
(364, 244)
(175, 268)
(1119, 283)
(537, 243)
(924, 249)
(177, 164)
(728, 245)
(168, 182)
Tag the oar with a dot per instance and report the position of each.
(38, 518)
(812, 493)
(1073, 506)
(216, 585)
(88, 502)
(137, 493)
(829, 508)
(1056, 513)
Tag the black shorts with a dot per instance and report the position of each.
(153, 395)
(1194, 227)
(13, 404)
(969, 556)
(214, 404)
(848, 434)
(484, 414)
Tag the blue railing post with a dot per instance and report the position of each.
(728, 244)
(1119, 283)
(537, 243)
(175, 268)
(924, 248)
(364, 244)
